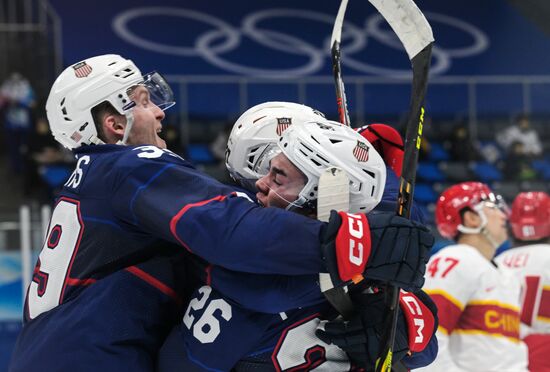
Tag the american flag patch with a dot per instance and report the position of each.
(283, 124)
(76, 136)
(361, 151)
(82, 69)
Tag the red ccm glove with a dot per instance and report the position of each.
(379, 247)
(420, 317)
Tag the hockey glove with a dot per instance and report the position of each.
(360, 336)
(379, 247)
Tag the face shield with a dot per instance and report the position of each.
(258, 165)
(160, 92)
(494, 201)
(156, 91)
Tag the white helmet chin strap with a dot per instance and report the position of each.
(292, 205)
(129, 123)
(482, 227)
(96, 140)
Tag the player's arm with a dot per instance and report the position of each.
(176, 202)
(270, 294)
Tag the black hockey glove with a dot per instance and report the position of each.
(360, 336)
(379, 247)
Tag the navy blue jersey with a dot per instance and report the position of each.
(122, 204)
(218, 335)
(117, 324)
(262, 322)
(121, 208)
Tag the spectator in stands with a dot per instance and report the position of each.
(461, 146)
(43, 151)
(17, 100)
(517, 165)
(523, 133)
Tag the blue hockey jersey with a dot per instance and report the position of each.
(263, 322)
(122, 208)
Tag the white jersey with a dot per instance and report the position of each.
(478, 310)
(531, 265)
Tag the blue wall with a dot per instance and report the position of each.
(285, 38)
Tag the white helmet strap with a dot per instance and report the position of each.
(129, 124)
(96, 140)
(482, 228)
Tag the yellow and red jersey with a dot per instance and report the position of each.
(478, 309)
(531, 266)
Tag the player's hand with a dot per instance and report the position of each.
(360, 336)
(380, 247)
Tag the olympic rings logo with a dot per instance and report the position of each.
(223, 38)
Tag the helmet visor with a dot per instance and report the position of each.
(160, 92)
(496, 201)
(262, 162)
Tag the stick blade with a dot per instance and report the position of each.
(332, 193)
(408, 23)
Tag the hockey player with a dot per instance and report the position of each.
(530, 262)
(478, 302)
(127, 201)
(261, 125)
(263, 339)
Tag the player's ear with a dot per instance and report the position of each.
(113, 126)
(471, 219)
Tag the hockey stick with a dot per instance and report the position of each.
(415, 33)
(336, 65)
(333, 193)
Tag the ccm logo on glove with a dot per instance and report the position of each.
(353, 237)
(420, 321)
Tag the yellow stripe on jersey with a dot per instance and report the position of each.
(485, 333)
(442, 329)
(543, 319)
(447, 296)
(502, 305)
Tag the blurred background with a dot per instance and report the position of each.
(488, 102)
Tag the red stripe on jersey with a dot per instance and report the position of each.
(447, 311)
(75, 281)
(208, 271)
(490, 318)
(544, 307)
(174, 221)
(539, 350)
(155, 283)
(531, 290)
(77, 246)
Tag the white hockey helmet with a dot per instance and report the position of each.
(256, 132)
(90, 82)
(314, 146)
